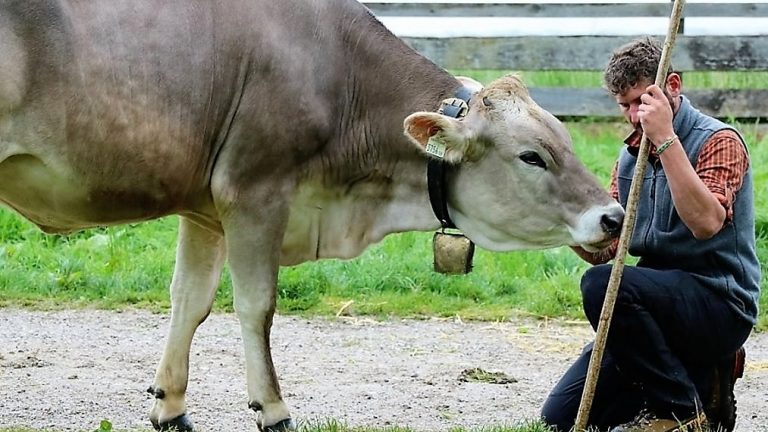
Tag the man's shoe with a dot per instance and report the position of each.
(648, 423)
(721, 408)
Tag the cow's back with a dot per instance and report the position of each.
(127, 106)
(117, 110)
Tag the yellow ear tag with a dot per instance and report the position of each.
(435, 148)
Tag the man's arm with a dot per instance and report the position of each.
(721, 165)
(607, 254)
(698, 208)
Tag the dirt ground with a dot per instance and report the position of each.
(70, 369)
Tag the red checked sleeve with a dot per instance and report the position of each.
(614, 188)
(721, 165)
(610, 251)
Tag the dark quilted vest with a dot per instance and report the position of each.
(726, 263)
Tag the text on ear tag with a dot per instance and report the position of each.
(435, 148)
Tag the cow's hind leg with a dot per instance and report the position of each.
(199, 260)
(254, 234)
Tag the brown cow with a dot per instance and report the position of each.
(275, 130)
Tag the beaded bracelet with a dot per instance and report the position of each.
(665, 145)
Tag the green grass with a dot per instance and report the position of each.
(587, 79)
(330, 426)
(131, 266)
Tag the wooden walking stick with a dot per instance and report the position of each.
(626, 234)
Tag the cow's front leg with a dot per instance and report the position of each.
(254, 236)
(199, 260)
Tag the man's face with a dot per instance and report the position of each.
(629, 102)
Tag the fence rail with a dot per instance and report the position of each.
(571, 10)
(718, 52)
(691, 53)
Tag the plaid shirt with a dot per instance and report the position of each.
(721, 165)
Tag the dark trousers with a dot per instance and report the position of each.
(666, 336)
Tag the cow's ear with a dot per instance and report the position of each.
(437, 135)
(470, 83)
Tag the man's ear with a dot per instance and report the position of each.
(674, 84)
(437, 135)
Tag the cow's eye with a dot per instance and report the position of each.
(533, 158)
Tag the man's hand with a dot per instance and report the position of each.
(655, 114)
(599, 257)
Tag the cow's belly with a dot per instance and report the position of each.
(58, 201)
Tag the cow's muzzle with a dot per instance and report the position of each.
(612, 221)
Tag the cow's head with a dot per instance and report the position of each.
(515, 181)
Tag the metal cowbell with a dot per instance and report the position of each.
(453, 253)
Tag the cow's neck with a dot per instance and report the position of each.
(371, 181)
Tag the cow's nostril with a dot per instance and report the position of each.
(611, 224)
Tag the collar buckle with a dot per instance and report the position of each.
(453, 107)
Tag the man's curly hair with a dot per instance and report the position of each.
(632, 64)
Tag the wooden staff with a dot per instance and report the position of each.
(629, 225)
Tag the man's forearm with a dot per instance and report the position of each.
(697, 207)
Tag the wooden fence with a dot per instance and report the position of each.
(717, 52)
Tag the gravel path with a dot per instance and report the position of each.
(70, 369)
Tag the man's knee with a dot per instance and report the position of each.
(593, 287)
(556, 416)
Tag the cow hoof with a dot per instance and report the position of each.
(181, 423)
(286, 425)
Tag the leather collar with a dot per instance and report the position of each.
(455, 107)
